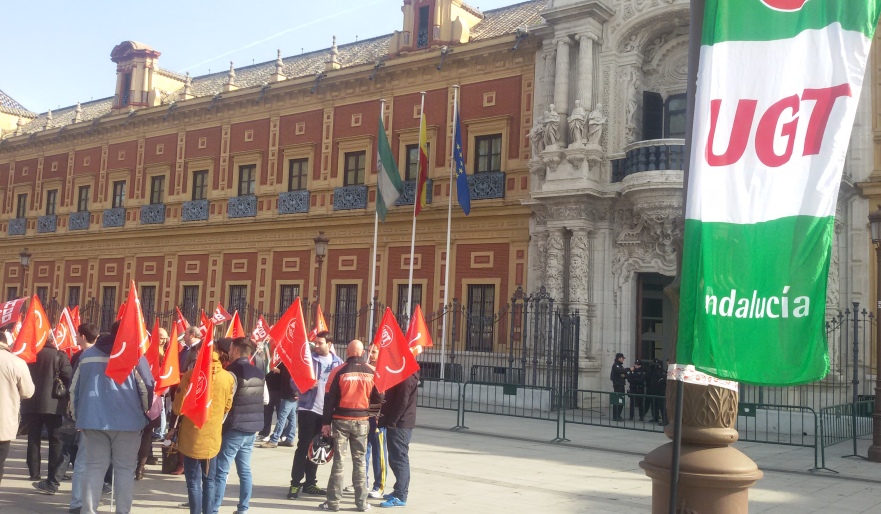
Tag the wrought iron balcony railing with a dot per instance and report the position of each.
(18, 226)
(349, 197)
(650, 155)
(79, 220)
(153, 214)
(409, 194)
(487, 185)
(195, 210)
(47, 224)
(293, 202)
(242, 206)
(114, 217)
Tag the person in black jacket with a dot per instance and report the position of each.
(656, 385)
(398, 416)
(636, 379)
(286, 398)
(42, 409)
(244, 420)
(619, 379)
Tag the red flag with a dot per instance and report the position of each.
(395, 362)
(131, 339)
(292, 346)
(181, 323)
(170, 373)
(198, 395)
(121, 312)
(75, 317)
(10, 312)
(206, 327)
(320, 324)
(64, 333)
(417, 332)
(220, 315)
(261, 331)
(34, 332)
(235, 328)
(152, 353)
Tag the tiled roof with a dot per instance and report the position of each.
(10, 106)
(495, 23)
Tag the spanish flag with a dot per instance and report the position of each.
(421, 199)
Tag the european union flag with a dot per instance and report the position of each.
(464, 194)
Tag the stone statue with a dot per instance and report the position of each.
(595, 123)
(551, 122)
(576, 123)
(654, 46)
(632, 105)
(631, 44)
(536, 135)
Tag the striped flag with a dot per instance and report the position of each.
(777, 93)
(388, 177)
(422, 179)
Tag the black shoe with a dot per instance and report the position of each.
(35, 478)
(294, 492)
(107, 489)
(44, 488)
(67, 477)
(286, 443)
(152, 461)
(618, 419)
(314, 489)
(75, 511)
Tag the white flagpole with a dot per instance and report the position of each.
(449, 228)
(415, 204)
(375, 232)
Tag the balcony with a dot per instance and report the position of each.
(47, 224)
(293, 202)
(79, 220)
(114, 217)
(349, 197)
(650, 155)
(487, 185)
(409, 194)
(242, 206)
(18, 226)
(153, 214)
(196, 210)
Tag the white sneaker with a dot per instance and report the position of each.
(376, 493)
(265, 439)
(350, 489)
(366, 507)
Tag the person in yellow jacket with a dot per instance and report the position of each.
(201, 446)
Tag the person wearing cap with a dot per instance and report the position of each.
(15, 384)
(245, 419)
(619, 379)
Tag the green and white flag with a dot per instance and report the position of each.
(388, 177)
(777, 92)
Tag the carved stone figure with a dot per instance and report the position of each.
(654, 46)
(554, 269)
(633, 93)
(551, 122)
(536, 135)
(595, 123)
(631, 44)
(576, 123)
(579, 269)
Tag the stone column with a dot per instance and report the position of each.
(541, 258)
(561, 88)
(580, 283)
(585, 70)
(555, 266)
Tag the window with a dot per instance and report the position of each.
(662, 119)
(148, 304)
(190, 307)
(480, 318)
(354, 168)
(346, 318)
(118, 193)
(108, 307)
(73, 296)
(157, 186)
(411, 171)
(287, 293)
(200, 185)
(422, 33)
(82, 203)
(43, 295)
(402, 299)
(126, 90)
(11, 293)
(51, 201)
(488, 153)
(21, 208)
(297, 171)
(247, 179)
(674, 117)
(238, 299)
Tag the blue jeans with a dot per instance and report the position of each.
(399, 459)
(200, 476)
(377, 455)
(287, 421)
(236, 446)
(79, 468)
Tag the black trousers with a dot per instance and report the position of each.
(308, 425)
(35, 423)
(618, 408)
(268, 412)
(4, 452)
(636, 400)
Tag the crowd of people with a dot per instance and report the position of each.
(107, 429)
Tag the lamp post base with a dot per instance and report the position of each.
(711, 478)
(875, 449)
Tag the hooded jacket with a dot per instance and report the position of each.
(15, 384)
(204, 443)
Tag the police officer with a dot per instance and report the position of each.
(656, 385)
(619, 378)
(636, 379)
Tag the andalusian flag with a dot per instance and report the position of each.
(777, 93)
(389, 178)
(422, 179)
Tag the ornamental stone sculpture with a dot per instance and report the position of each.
(551, 122)
(536, 136)
(576, 124)
(595, 122)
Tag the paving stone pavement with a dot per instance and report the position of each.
(509, 465)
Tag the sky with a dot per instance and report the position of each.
(57, 52)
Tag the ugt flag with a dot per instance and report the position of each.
(777, 92)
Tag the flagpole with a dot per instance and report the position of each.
(413, 236)
(375, 233)
(449, 229)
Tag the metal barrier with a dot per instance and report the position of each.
(840, 423)
(779, 424)
(520, 401)
(440, 394)
(597, 408)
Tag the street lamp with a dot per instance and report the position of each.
(320, 252)
(25, 259)
(875, 449)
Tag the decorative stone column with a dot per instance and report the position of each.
(585, 69)
(561, 88)
(580, 284)
(555, 266)
(541, 257)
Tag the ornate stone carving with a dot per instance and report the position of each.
(537, 170)
(579, 266)
(242, 206)
(349, 197)
(195, 210)
(634, 89)
(536, 136)
(18, 226)
(707, 407)
(596, 121)
(114, 217)
(293, 202)
(577, 121)
(646, 241)
(555, 264)
(153, 214)
(541, 257)
(551, 124)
